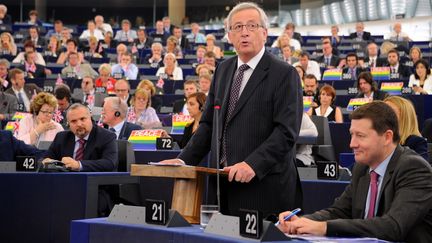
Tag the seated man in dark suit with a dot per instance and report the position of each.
(22, 91)
(352, 68)
(390, 194)
(8, 106)
(368, 88)
(183, 42)
(35, 38)
(311, 88)
(189, 87)
(329, 59)
(143, 41)
(88, 95)
(372, 58)
(85, 147)
(397, 69)
(10, 147)
(32, 69)
(360, 34)
(114, 115)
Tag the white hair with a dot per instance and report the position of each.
(3, 7)
(118, 105)
(248, 5)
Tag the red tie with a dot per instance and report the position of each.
(80, 152)
(373, 194)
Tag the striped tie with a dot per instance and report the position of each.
(80, 152)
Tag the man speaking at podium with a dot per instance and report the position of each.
(261, 108)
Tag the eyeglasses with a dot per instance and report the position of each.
(47, 112)
(249, 27)
(121, 90)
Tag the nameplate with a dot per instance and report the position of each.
(352, 90)
(49, 86)
(346, 76)
(327, 170)
(394, 76)
(101, 90)
(118, 75)
(250, 223)
(164, 143)
(156, 212)
(26, 163)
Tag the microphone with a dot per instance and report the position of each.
(216, 119)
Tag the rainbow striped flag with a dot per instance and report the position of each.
(357, 102)
(307, 102)
(20, 115)
(380, 73)
(179, 123)
(332, 74)
(12, 126)
(144, 139)
(392, 88)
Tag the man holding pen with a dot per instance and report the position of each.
(390, 194)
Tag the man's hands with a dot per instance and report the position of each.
(297, 225)
(68, 161)
(171, 162)
(240, 172)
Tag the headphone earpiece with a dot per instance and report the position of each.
(117, 113)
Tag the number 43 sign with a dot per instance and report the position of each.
(327, 170)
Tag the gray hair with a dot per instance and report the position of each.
(3, 7)
(75, 106)
(5, 62)
(157, 44)
(118, 105)
(248, 5)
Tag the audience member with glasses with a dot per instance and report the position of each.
(39, 126)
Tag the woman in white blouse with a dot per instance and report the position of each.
(141, 112)
(421, 80)
(170, 69)
(40, 125)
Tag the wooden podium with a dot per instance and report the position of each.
(189, 182)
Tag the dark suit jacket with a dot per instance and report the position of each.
(262, 131)
(380, 62)
(334, 60)
(404, 71)
(40, 42)
(298, 37)
(184, 44)
(127, 129)
(8, 104)
(366, 36)
(11, 147)
(404, 208)
(378, 95)
(418, 144)
(178, 105)
(100, 153)
(29, 89)
(346, 70)
(38, 73)
(147, 44)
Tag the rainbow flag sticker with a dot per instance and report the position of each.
(332, 74)
(380, 73)
(179, 123)
(357, 102)
(20, 115)
(144, 139)
(392, 88)
(12, 126)
(307, 102)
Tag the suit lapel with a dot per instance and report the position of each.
(387, 176)
(70, 145)
(363, 188)
(90, 143)
(223, 93)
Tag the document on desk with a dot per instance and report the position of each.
(159, 164)
(321, 239)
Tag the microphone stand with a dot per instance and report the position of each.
(216, 116)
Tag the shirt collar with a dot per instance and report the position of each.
(382, 167)
(119, 126)
(85, 138)
(252, 62)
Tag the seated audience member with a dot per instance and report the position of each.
(122, 89)
(189, 87)
(125, 69)
(301, 72)
(66, 35)
(21, 90)
(210, 60)
(408, 126)
(34, 18)
(200, 52)
(183, 42)
(147, 85)
(155, 58)
(368, 88)
(29, 47)
(397, 69)
(310, 88)
(4, 67)
(91, 31)
(31, 68)
(172, 47)
(372, 59)
(211, 47)
(87, 95)
(167, 26)
(195, 107)
(352, 69)
(326, 108)
(287, 55)
(8, 45)
(85, 147)
(64, 100)
(108, 41)
(290, 31)
(284, 40)
(195, 36)
(34, 37)
(143, 41)
(141, 112)
(8, 105)
(421, 80)
(159, 35)
(360, 34)
(114, 115)
(335, 38)
(304, 156)
(10, 147)
(310, 66)
(397, 34)
(75, 69)
(93, 50)
(204, 69)
(40, 126)
(170, 70)
(125, 34)
(4, 17)
(121, 49)
(54, 48)
(56, 31)
(71, 47)
(105, 79)
(205, 83)
(390, 193)
(415, 54)
(100, 25)
(328, 58)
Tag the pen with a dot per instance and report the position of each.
(286, 218)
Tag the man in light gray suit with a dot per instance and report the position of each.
(8, 106)
(390, 194)
(77, 70)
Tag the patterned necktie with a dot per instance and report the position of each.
(372, 62)
(79, 155)
(353, 73)
(21, 100)
(373, 194)
(234, 95)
